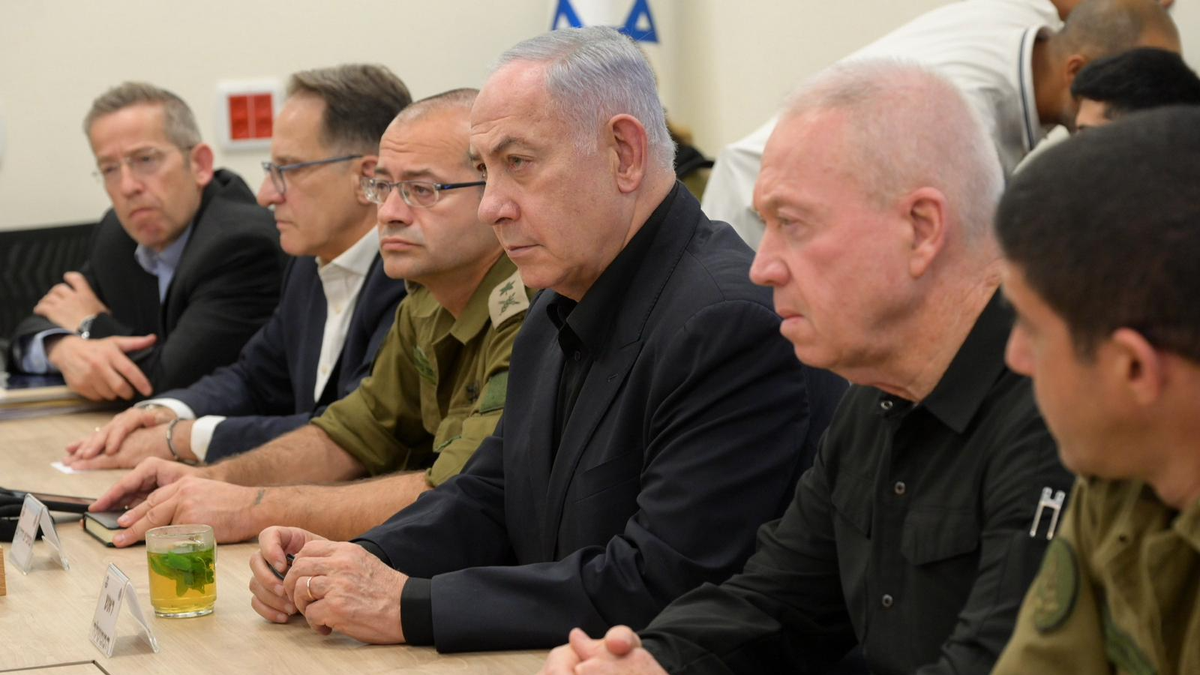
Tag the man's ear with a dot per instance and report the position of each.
(1136, 365)
(1075, 63)
(365, 168)
(201, 160)
(631, 151)
(924, 210)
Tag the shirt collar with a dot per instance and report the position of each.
(167, 261)
(590, 320)
(1187, 524)
(980, 360)
(1034, 130)
(358, 258)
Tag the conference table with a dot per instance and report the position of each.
(46, 616)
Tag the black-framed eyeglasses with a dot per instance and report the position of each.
(413, 192)
(276, 171)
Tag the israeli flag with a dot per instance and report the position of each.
(631, 17)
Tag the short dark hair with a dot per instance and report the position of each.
(360, 102)
(1105, 228)
(1099, 28)
(1137, 80)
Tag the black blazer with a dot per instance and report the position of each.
(688, 433)
(224, 289)
(269, 391)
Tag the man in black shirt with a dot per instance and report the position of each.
(654, 415)
(911, 534)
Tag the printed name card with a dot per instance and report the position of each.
(34, 514)
(108, 609)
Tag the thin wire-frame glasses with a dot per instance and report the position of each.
(413, 192)
(276, 171)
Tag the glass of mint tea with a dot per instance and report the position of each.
(183, 570)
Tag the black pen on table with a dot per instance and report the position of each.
(290, 559)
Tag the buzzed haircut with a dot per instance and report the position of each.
(1098, 28)
(462, 98)
(179, 124)
(1138, 79)
(1105, 228)
(360, 101)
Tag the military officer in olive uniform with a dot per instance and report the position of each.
(437, 388)
(1109, 328)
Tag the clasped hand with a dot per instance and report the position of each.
(336, 586)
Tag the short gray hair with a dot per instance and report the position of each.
(360, 101)
(593, 74)
(906, 128)
(179, 124)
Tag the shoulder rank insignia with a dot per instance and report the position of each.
(1123, 651)
(1056, 587)
(421, 362)
(508, 299)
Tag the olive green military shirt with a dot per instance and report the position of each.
(1118, 591)
(438, 385)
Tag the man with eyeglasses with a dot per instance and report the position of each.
(181, 271)
(338, 303)
(655, 415)
(436, 391)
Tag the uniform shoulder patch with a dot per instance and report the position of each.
(1056, 587)
(494, 393)
(508, 299)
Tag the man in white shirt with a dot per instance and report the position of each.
(1004, 55)
(337, 304)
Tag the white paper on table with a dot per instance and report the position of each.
(64, 468)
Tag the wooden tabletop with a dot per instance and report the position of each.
(45, 618)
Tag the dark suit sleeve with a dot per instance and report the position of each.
(254, 394)
(226, 304)
(34, 324)
(416, 540)
(785, 611)
(720, 456)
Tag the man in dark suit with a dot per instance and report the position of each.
(655, 416)
(437, 388)
(338, 302)
(182, 270)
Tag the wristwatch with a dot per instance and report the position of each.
(85, 327)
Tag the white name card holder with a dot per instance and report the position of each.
(108, 609)
(35, 514)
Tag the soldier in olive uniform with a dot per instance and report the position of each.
(437, 388)
(1101, 240)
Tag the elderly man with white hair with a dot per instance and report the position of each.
(911, 535)
(654, 414)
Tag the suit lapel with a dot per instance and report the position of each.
(600, 388)
(612, 366)
(310, 337)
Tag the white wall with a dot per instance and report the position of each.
(724, 64)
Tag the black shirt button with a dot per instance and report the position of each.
(900, 488)
(577, 355)
(887, 601)
(886, 405)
